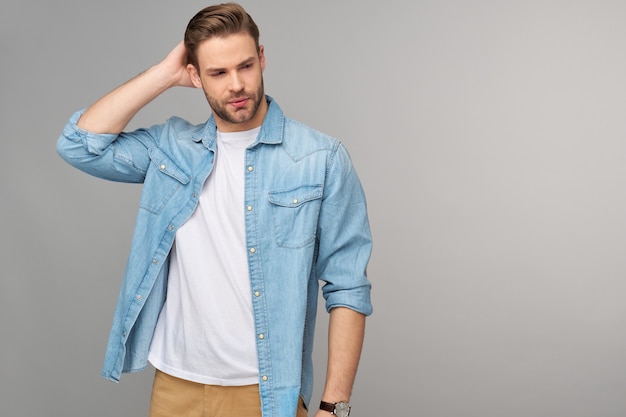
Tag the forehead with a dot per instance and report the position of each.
(226, 51)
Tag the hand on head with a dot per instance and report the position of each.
(175, 63)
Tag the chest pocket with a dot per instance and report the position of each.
(163, 179)
(295, 213)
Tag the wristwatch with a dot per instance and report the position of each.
(340, 409)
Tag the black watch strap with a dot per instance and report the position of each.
(330, 407)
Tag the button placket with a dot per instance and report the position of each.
(250, 208)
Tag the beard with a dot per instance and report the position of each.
(237, 116)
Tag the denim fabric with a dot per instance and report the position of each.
(306, 224)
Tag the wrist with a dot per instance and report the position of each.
(164, 77)
(338, 408)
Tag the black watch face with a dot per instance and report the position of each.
(342, 409)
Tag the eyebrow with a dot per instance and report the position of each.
(244, 62)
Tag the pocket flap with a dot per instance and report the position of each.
(166, 165)
(296, 196)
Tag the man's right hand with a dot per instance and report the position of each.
(111, 113)
(175, 63)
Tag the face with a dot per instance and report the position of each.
(230, 71)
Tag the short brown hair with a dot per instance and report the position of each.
(218, 20)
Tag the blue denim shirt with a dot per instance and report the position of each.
(305, 220)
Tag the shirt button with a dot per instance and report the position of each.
(252, 250)
(257, 294)
(138, 297)
(162, 167)
(155, 261)
(264, 378)
(261, 336)
(193, 195)
(250, 168)
(171, 227)
(295, 201)
(249, 208)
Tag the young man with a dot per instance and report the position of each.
(240, 218)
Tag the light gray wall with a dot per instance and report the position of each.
(490, 139)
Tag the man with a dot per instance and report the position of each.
(240, 218)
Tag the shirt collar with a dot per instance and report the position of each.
(271, 129)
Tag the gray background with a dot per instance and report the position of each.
(489, 136)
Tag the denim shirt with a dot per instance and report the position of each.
(305, 220)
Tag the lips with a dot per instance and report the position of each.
(239, 102)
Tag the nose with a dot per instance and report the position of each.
(236, 83)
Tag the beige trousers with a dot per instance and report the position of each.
(175, 397)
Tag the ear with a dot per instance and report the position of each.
(195, 77)
(262, 57)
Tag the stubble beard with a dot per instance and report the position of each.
(238, 116)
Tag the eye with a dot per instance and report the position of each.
(217, 73)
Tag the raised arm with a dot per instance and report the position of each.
(113, 112)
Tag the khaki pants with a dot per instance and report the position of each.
(175, 397)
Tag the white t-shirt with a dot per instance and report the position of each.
(205, 332)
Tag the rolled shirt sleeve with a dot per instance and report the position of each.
(116, 157)
(345, 241)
